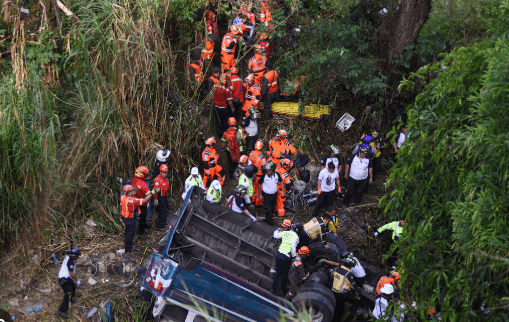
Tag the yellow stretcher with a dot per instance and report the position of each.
(312, 111)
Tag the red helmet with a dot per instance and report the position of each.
(249, 79)
(287, 224)
(234, 70)
(211, 15)
(257, 48)
(243, 160)
(232, 121)
(141, 172)
(127, 188)
(234, 30)
(304, 250)
(210, 141)
(259, 145)
(163, 167)
(282, 133)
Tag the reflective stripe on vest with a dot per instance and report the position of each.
(286, 242)
(243, 180)
(198, 77)
(194, 181)
(341, 282)
(216, 194)
(313, 228)
(272, 85)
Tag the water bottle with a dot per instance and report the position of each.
(54, 258)
(91, 313)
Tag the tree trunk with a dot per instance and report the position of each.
(406, 24)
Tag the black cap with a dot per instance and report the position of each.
(213, 37)
(268, 64)
(331, 165)
(215, 70)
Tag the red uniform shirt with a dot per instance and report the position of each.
(236, 88)
(221, 95)
(141, 188)
(129, 204)
(163, 184)
(212, 27)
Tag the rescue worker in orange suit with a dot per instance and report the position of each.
(393, 278)
(265, 14)
(253, 95)
(228, 47)
(246, 11)
(266, 45)
(223, 104)
(214, 78)
(196, 73)
(129, 203)
(297, 274)
(141, 192)
(236, 89)
(207, 53)
(257, 159)
(210, 164)
(161, 199)
(250, 126)
(211, 23)
(236, 136)
(257, 65)
(280, 147)
(283, 168)
(270, 89)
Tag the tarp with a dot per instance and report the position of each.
(313, 111)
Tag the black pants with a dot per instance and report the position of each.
(222, 115)
(324, 200)
(130, 228)
(231, 165)
(267, 103)
(237, 109)
(355, 189)
(360, 280)
(69, 290)
(282, 267)
(376, 166)
(162, 210)
(142, 223)
(250, 143)
(269, 202)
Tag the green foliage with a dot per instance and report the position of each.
(451, 185)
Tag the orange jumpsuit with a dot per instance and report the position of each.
(209, 158)
(258, 160)
(280, 200)
(228, 47)
(277, 147)
(196, 68)
(257, 65)
(207, 51)
(265, 15)
(253, 98)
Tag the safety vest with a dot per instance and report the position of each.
(208, 51)
(194, 181)
(227, 39)
(271, 77)
(214, 194)
(253, 97)
(236, 83)
(286, 242)
(198, 74)
(215, 80)
(314, 228)
(244, 180)
(129, 204)
(212, 27)
(341, 282)
(382, 281)
(210, 156)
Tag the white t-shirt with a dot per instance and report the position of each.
(328, 180)
(68, 266)
(358, 271)
(401, 139)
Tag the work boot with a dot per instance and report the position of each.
(63, 314)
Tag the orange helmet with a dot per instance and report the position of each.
(286, 162)
(234, 30)
(243, 160)
(234, 70)
(282, 133)
(304, 250)
(249, 79)
(396, 276)
(163, 167)
(257, 48)
(211, 15)
(127, 188)
(232, 121)
(286, 224)
(259, 145)
(241, 29)
(210, 141)
(141, 172)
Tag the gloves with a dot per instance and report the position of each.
(78, 282)
(253, 218)
(376, 234)
(155, 191)
(156, 203)
(319, 191)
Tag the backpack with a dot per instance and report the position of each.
(233, 144)
(301, 161)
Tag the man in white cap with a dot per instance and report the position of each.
(382, 303)
(193, 180)
(214, 192)
(161, 158)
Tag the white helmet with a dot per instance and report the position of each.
(162, 155)
(215, 185)
(194, 171)
(388, 289)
